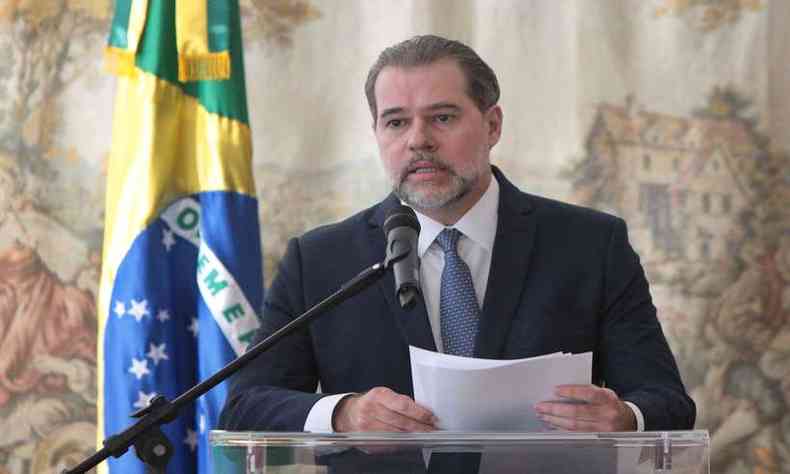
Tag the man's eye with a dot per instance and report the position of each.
(395, 123)
(444, 118)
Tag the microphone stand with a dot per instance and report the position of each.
(150, 443)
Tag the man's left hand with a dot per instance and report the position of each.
(589, 408)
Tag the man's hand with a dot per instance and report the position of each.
(381, 409)
(591, 408)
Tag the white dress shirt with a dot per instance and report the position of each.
(475, 246)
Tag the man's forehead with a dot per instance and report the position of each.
(433, 84)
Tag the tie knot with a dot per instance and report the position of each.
(448, 239)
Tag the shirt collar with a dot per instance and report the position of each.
(478, 224)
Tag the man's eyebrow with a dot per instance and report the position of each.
(391, 111)
(443, 106)
(433, 107)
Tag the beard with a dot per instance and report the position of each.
(421, 196)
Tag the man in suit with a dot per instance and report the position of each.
(536, 276)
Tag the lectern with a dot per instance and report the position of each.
(676, 452)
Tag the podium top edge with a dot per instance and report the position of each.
(269, 438)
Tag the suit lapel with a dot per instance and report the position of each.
(509, 264)
(414, 325)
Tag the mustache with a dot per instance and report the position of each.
(423, 157)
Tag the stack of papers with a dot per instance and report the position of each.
(469, 394)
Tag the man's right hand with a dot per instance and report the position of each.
(381, 409)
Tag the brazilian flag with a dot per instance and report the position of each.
(181, 277)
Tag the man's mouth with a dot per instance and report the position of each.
(424, 168)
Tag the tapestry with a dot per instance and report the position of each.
(672, 114)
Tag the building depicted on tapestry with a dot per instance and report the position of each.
(679, 181)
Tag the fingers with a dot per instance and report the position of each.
(589, 408)
(588, 393)
(405, 406)
(381, 409)
(571, 424)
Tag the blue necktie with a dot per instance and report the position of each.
(458, 308)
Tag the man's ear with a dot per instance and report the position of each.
(493, 118)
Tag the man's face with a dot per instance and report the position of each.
(433, 140)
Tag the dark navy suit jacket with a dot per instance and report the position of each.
(562, 278)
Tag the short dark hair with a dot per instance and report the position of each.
(481, 82)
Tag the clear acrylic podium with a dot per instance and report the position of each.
(677, 452)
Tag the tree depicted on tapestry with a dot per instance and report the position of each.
(708, 15)
(275, 20)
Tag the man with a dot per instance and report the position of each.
(536, 276)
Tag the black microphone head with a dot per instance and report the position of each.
(401, 229)
(401, 216)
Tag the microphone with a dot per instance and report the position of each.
(401, 228)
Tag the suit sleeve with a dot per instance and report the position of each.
(636, 360)
(276, 391)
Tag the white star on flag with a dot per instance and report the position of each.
(143, 399)
(191, 439)
(120, 309)
(139, 309)
(163, 315)
(139, 368)
(193, 327)
(167, 239)
(157, 352)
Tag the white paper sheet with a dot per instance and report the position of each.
(469, 394)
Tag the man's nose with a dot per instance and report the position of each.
(420, 137)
